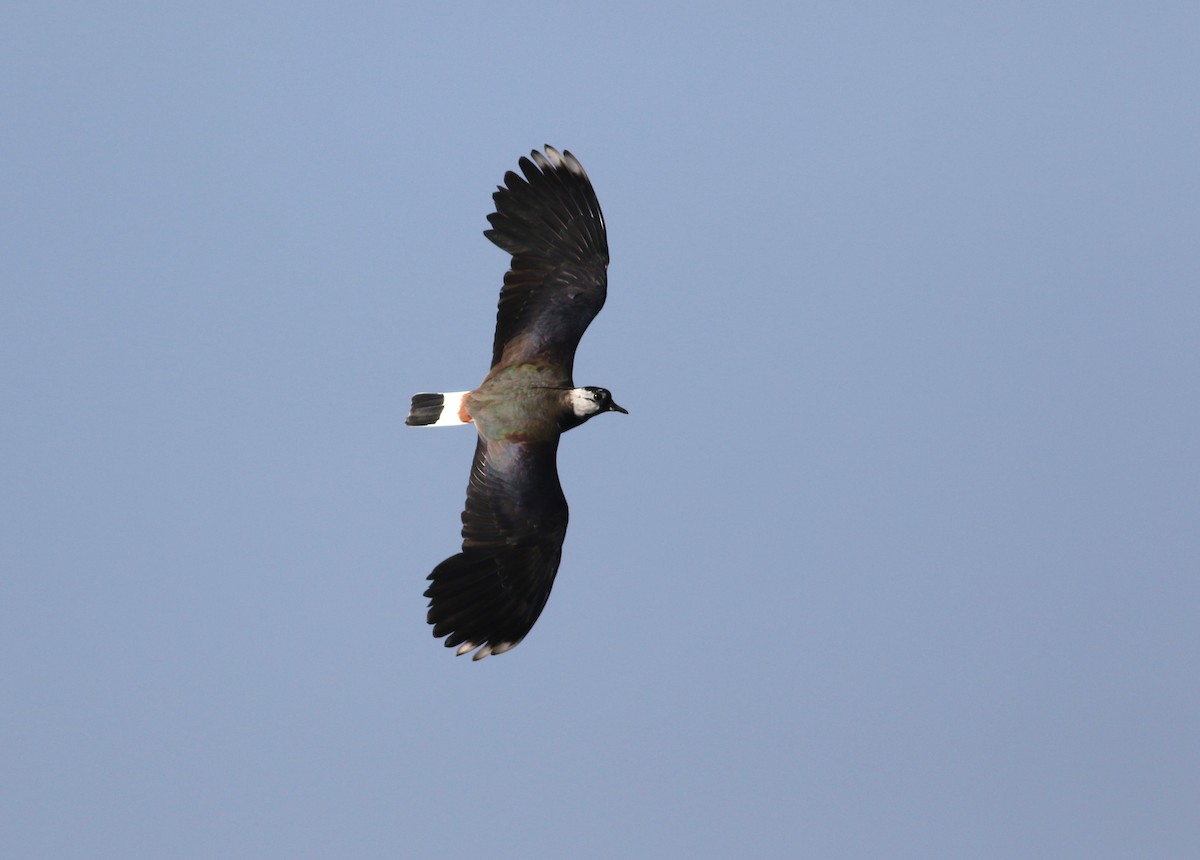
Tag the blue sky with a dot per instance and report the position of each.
(896, 555)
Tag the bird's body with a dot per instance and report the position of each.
(519, 404)
(487, 597)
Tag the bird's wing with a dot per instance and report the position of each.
(490, 594)
(550, 221)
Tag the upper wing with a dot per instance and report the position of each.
(490, 594)
(551, 223)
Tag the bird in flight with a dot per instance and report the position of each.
(486, 598)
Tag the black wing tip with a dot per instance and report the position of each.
(551, 211)
(486, 601)
(537, 168)
(544, 162)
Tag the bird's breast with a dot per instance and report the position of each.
(515, 405)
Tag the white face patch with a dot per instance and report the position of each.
(583, 402)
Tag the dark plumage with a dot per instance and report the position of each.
(488, 596)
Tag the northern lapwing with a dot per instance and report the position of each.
(487, 598)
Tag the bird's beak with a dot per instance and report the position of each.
(613, 407)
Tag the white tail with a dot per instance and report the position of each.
(438, 410)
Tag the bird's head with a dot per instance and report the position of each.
(588, 402)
